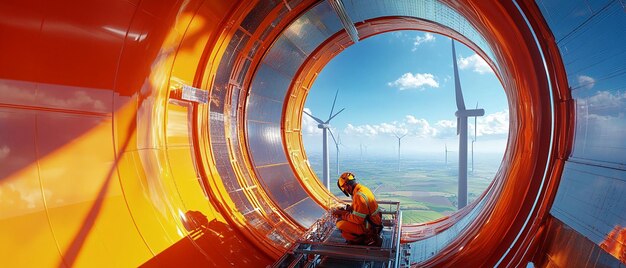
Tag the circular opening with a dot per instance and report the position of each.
(398, 132)
(288, 67)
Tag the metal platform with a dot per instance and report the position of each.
(323, 246)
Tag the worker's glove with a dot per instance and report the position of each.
(338, 213)
(349, 208)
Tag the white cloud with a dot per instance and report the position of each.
(412, 120)
(604, 103)
(602, 121)
(586, 82)
(397, 34)
(309, 126)
(493, 124)
(376, 129)
(425, 135)
(420, 127)
(410, 81)
(428, 37)
(411, 126)
(446, 128)
(607, 100)
(475, 63)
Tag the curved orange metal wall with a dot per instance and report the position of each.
(97, 165)
(102, 165)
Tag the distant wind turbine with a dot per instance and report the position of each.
(461, 128)
(337, 143)
(363, 150)
(399, 137)
(474, 139)
(361, 146)
(446, 152)
(324, 125)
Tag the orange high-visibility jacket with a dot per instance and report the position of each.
(363, 204)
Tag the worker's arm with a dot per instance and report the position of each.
(359, 211)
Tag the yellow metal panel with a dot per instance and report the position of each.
(187, 182)
(152, 226)
(178, 131)
(86, 208)
(23, 218)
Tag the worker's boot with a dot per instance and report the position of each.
(359, 241)
(373, 240)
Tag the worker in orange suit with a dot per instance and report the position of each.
(361, 222)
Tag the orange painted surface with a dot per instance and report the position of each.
(564, 247)
(615, 243)
(98, 166)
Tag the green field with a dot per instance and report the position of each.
(414, 216)
(425, 189)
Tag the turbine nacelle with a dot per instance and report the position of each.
(323, 126)
(470, 113)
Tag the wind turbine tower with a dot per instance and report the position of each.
(361, 146)
(461, 128)
(446, 152)
(474, 139)
(399, 137)
(337, 143)
(324, 125)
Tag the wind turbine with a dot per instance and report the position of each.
(461, 129)
(324, 125)
(337, 143)
(446, 152)
(399, 140)
(361, 145)
(474, 139)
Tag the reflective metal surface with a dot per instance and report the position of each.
(93, 149)
(590, 198)
(567, 248)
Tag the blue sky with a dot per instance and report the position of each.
(402, 82)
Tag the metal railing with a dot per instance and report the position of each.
(322, 242)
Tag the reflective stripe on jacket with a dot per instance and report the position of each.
(363, 204)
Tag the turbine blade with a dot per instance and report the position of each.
(398, 135)
(333, 107)
(475, 126)
(331, 118)
(458, 125)
(333, 136)
(314, 118)
(460, 104)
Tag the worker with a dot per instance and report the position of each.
(361, 222)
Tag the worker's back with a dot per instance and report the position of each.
(364, 202)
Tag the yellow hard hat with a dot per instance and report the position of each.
(345, 178)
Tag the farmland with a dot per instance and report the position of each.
(425, 188)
